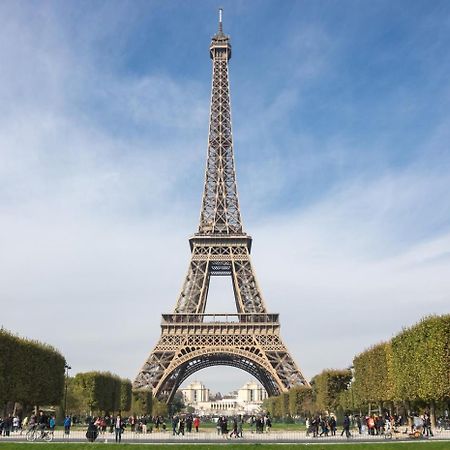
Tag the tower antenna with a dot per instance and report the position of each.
(220, 20)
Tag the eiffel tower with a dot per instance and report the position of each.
(190, 339)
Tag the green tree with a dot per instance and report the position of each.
(269, 405)
(101, 391)
(374, 375)
(160, 408)
(125, 395)
(301, 401)
(142, 402)
(328, 385)
(31, 373)
(421, 361)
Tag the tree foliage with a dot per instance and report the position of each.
(301, 401)
(103, 391)
(421, 360)
(328, 385)
(125, 395)
(31, 373)
(142, 402)
(160, 408)
(374, 374)
(414, 366)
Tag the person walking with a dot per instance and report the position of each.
(332, 423)
(240, 427)
(118, 427)
(181, 426)
(427, 425)
(174, 425)
(52, 424)
(67, 425)
(196, 423)
(234, 431)
(346, 426)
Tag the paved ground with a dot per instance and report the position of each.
(212, 437)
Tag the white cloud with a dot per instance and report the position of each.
(348, 271)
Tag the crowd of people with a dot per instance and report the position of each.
(372, 424)
(321, 425)
(184, 422)
(41, 421)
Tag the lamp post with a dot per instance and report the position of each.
(67, 367)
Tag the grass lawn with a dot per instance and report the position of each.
(243, 446)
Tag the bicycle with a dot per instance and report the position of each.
(34, 434)
(442, 425)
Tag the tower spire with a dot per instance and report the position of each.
(220, 20)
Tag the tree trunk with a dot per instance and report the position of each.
(408, 412)
(433, 413)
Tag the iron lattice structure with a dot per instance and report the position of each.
(190, 339)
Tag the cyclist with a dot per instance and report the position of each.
(42, 422)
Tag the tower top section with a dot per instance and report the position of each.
(220, 43)
(220, 213)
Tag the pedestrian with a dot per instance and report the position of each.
(52, 424)
(240, 427)
(346, 426)
(268, 423)
(118, 426)
(181, 425)
(196, 423)
(427, 425)
(359, 424)
(234, 431)
(7, 425)
(67, 424)
(332, 423)
(174, 425)
(15, 424)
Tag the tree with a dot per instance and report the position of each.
(327, 387)
(101, 391)
(142, 402)
(374, 374)
(301, 401)
(421, 361)
(269, 405)
(31, 373)
(125, 395)
(177, 402)
(160, 408)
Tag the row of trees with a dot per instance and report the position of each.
(412, 369)
(93, 393)
(31, 373)
(325, 394)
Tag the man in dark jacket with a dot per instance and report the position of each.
(346, 426)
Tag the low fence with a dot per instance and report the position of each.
(78, 435)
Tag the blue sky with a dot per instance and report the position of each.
(341, 126)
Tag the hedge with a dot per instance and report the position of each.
(31, 373)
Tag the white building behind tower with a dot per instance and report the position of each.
(246, 401)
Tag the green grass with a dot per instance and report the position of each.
(243, 446)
